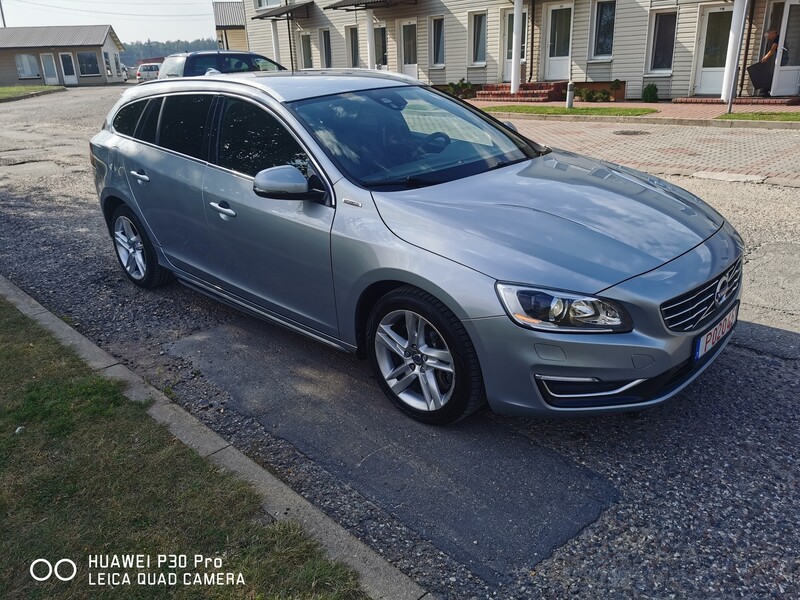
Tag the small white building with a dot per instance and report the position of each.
(60, 55)
(687, 48)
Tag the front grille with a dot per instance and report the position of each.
(693, 310)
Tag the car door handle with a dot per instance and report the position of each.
(223, 210)
(140, 176)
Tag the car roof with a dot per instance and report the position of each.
(284, 86)
(206, 52)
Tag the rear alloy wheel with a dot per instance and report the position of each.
(423, 358)
(134, 250)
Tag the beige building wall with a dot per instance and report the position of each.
(8, 65)
(456, 25)
(632, 39)
(232, 39)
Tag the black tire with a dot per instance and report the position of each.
(134, 251)
(396, 359)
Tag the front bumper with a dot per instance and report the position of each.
(535, 373)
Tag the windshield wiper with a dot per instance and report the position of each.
(410, 181)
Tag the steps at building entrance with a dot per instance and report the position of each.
(537, 91)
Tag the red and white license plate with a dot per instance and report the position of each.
(716, 334)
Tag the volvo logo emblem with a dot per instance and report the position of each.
(723, 290)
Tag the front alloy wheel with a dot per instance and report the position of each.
(414, 360)
(423, 358)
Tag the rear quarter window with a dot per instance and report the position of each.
(127, 117)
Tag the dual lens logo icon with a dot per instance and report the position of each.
(64, 570)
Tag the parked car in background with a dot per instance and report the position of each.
(192, 64)
(147, 71)
(381, 216)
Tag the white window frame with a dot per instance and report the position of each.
(471, 37)
(32, 61)
(593, 32)
(265, 4)
(322, 47)
(302, 52)
(348, 32)
(432, 43)
(651, 32)
(101, 67)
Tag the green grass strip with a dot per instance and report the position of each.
(560, 110)
(20, 91)
(85, 471)
(761, 116)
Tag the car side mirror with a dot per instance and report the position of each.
(511, 126)
(285, 183)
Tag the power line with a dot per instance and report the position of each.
(139, 3)
(99, 12)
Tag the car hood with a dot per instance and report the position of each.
(560, 220)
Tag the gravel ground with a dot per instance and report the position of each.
(709, 497)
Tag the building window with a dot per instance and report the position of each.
(261, 4)
(477, 38)
(663, 41)
(27, 66)
(604, 28)
(381, 53)
(437, 41)
(352, 42)
(87, 64)
(325, 48)
(305, 51)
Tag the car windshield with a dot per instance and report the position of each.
(395, 138)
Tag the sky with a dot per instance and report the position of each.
(132, 21)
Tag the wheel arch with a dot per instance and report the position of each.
(376, 289)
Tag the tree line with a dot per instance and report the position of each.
(135, 51)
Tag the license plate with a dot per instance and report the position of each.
(716, 334)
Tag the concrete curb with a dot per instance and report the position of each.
(649, 120)
(34, 94)
(379, 579)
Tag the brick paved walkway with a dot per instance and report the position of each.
(771, 154)
(668, 110)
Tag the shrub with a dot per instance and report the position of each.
(588, 95)
(650, 93)
(615, 85)
(463, 89)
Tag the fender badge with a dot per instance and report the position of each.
(351, 202)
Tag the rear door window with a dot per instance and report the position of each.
(183, 123)
(148, 124)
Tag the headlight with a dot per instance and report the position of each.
(552, 310)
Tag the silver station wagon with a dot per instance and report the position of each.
(380, 216)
